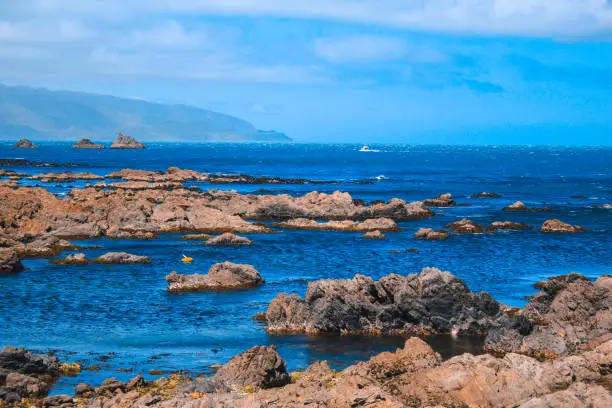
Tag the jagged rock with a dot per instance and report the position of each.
(374, 224)
(556, 226)
(517, 206)
(136, 383)
(122, 258)
(9, 261)
(374, 235)
(65, 177)
(126, 142)
(568, 312)
(24, 375)
(61, 401)
(87, 144)
(83, 390)
(484, 194)
(430, 302)
(430, 234)
(259, 367)
(443, 200)
(507, 225)
(126, 234)
(577, 395)
(229, 239)
(72, 259)
(221, 276)
(25, 144)
(110, 386)
(465, 226)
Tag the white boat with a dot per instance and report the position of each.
(366, 148)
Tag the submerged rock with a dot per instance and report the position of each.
(374, 235)
(87, 144)
(556, 226)
(484, 194)
(430, 302)
(25, 144)
(443, 200)
(196, 237)
(259, 367)
(430, 234)
(373, 224)
(229, 239)
(9, 261)
(221, 276)
(126, 142)
(465, 226)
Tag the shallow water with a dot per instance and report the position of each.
(124, 309)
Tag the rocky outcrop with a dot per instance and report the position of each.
(507, 226)
(430, 234)
(229, 239)
(443, 200)
(373, 224)
(465, 226)
(517, 206)
(122, 258)
(259, 367)
(87, 144)
(567, 313)
(65, 177)
(430, 302)
(72, 259)
(196, 237)
(126, 142)
(484, 194)
(559, 227)
(221, 276)
(373, 235)
(25, 144)
(9, 261)
(24, 375)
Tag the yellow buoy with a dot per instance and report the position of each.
(186, 259)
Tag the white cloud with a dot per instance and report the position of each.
(544, 18)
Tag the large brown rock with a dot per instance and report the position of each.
(258, 367)
(65, 177)
(126, 142)
(24, 375)
(87, 144)
(122, 258)
(567, 313)
(556, 227)
(430, 302)
(373, 224)
(443, 200)
(507, 226)
(25, 144)
(9, 261)
(229, 239)
(465, 226)
(221, 276)
(430, 234)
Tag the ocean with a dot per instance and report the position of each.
(121, 320)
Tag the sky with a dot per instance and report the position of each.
(408, 71)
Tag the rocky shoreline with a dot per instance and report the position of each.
(555, 351)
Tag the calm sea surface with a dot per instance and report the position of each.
(121, 319)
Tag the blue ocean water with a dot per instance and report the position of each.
(121, 319)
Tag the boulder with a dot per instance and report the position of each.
(25, 144)
(430, 234)
(443, 200)
(87, 144)
(72, 259)
(507, 226)
(126, 142)
(556, 226)
(258, 367)
(374, 235)
(229, 239)
(465, 226)
(9, 261)
(122, 258)
(430, 302)
(221, 276)
(24, 375)
(517, 206)
(83, 390)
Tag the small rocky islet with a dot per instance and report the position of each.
(563, 335)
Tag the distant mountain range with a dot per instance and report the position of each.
(62, 115)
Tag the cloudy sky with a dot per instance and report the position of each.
(439, 71)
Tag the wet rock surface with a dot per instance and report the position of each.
(9, 261)
(429, 302)
(221, 276)
(560, 227)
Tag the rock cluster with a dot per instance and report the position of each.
(520, 206)
(484, 194)
(108, 258)
(9, 261)
(259, 367)
(556, 226)
(443, 200)
(430, 302)
(373, 224)
(374, 235)
(430, 234)
(126, 142)
(24, 375)
(229, 239)
(25, 144)
(465, 226)
(221, 276)
(507, 225)
(87, 144)
(65, 177)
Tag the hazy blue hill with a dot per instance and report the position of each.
(61, 115)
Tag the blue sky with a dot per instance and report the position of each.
(416, 71)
